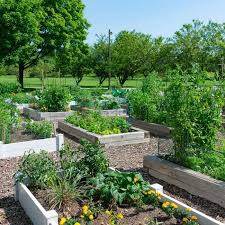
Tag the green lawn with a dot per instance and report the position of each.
(87, 82)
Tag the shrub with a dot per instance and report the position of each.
(54, 99)
(95, 122)
(145, 102)
(9, 118)
(194, 111)
(8, 88)
(94, 160)
(40, 129)
(39, 168)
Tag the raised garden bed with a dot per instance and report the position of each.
(154, 129)
(50, 116)
(135, 137)
(39, 216)
(109, 112)
(19, 148)
(194, 182)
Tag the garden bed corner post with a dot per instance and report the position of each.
(59, 141)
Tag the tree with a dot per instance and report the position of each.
(31, 30)
(131, 52)
(74, 61)
(99, 58)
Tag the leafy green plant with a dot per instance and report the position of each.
(122, 93)
(9, 118)
(39, 168)
(94, 160)
(54, 99)
(145, 102)
(9, 88)
(95, 122)
(119, 187)
(40, 129)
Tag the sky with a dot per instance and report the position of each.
(155, 17)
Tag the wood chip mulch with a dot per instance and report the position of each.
(121, 157)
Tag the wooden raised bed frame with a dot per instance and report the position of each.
(135, 137)
(194, 182)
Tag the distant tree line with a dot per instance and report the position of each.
(48, 37)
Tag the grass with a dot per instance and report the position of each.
(87, 82)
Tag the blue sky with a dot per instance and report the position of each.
(156, 17)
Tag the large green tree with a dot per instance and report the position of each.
(32, 29)
(99, 58)
(131, 53)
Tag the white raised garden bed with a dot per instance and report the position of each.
(194, 182)
(50, 116)
(34, 210)
(110, 112)
(39, 216)
(154, 129)
(18, 149)
(135, 137)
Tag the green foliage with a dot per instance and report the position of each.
(40, 129)
(121, 93)
(17, 98)
(54, 99)
(119, 188)
(9, 118)
(145, 103)
(130, 54)
(193, 108)
(96, 123)
(39, 168)
(39, 28)
(210, 163)
(99, 58)
(9, 88)
(94, 160)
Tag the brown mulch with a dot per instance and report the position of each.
(121, 157)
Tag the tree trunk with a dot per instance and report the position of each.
(21, 73)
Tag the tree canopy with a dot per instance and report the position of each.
(30, 30)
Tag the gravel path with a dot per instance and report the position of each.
(121, 157)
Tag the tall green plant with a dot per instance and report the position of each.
(193, 108)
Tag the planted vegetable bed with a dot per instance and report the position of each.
(105, 130)
(31, 135)
(86, 191)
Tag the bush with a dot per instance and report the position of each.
(194, 111)
(42, 129)
(39, 168)
(145, 103)
(9, 118)
(95, 122)
(54, 99)
(8, 88)
(94, 160)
